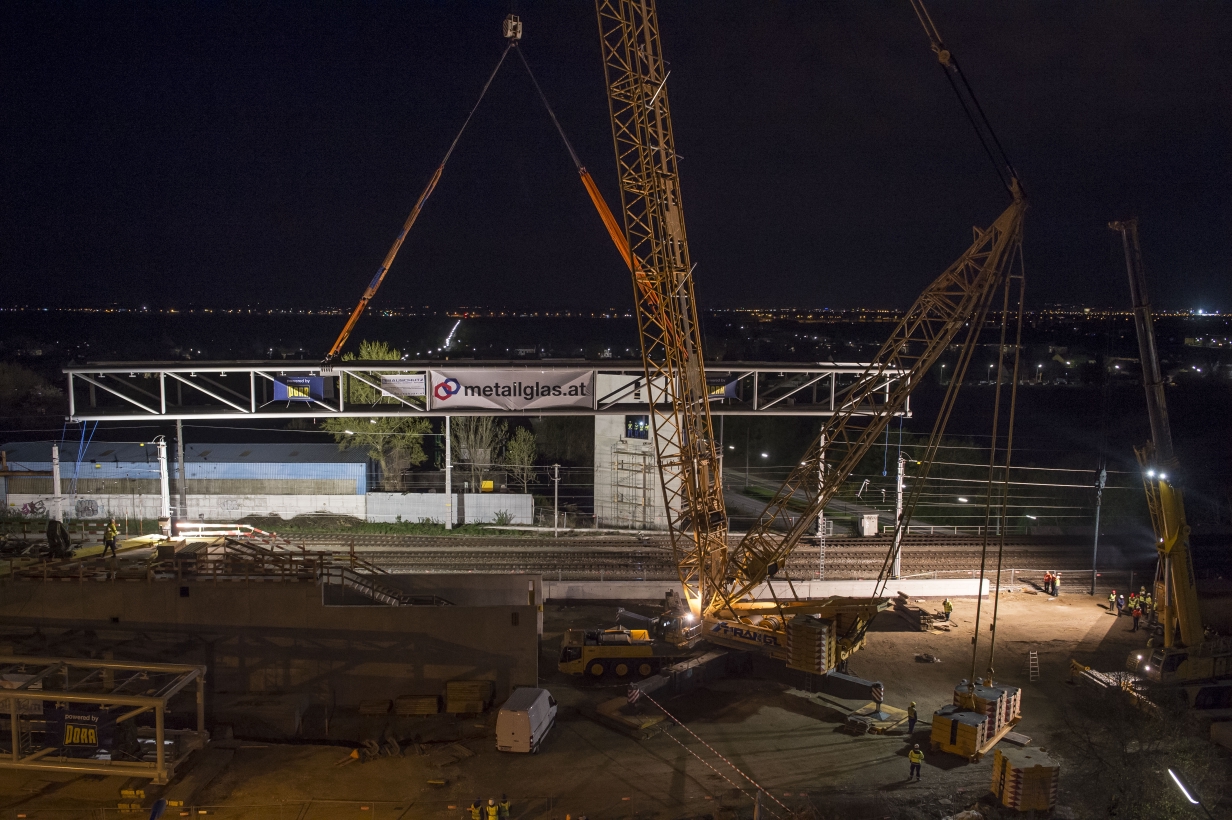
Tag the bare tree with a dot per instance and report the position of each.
(1119, 749)
(520, 457)
(477, 442)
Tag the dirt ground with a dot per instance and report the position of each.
(779, 739)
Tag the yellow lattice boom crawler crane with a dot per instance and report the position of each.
(1188, 653)
(727, 592)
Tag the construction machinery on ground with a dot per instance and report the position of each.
(1186, 651)
(618, 651)
(731, 592)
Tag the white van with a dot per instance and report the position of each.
(525, 720)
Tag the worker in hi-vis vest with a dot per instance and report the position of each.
(917, 758)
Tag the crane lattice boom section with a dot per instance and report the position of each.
(663, 290)
(959, 299)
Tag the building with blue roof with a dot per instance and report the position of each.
(223, 481)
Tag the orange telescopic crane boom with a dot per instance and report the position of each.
(512, 33)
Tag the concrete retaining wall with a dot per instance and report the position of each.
(476, 508)
(483, 508)
(654, 590)
(213, 507)
(389, 508)
(468, 508)
(276, 646)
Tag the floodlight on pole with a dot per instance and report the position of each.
(1180, 784)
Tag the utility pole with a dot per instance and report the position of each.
(1099, 495)
(164, 480)
(899, 523)
(57, 513)
(555, 500)
(183, 482)
(448, 478)
(821, 513)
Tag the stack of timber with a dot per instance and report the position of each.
(810, 644)
(1025, 780)
(915, 616)
(464, 697)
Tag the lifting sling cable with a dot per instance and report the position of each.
(410, 220)
(992, 463)
(949, 63)
(605, 213)
(1009, 451)
(940, 423)
(969, 102)
(984, 131)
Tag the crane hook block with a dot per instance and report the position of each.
(512, 27)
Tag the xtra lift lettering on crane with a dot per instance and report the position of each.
(512, 389)
(723, 629)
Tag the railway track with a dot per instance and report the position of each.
(624, 558)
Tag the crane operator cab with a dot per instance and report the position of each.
(1212, 659)
(676, 624)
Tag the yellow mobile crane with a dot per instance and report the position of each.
(722, 589)
(1187, 654)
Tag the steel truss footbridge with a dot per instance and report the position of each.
(142, 391)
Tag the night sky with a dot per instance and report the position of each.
(230, 153)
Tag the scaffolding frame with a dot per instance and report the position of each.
(94, 683)
(635, 483)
